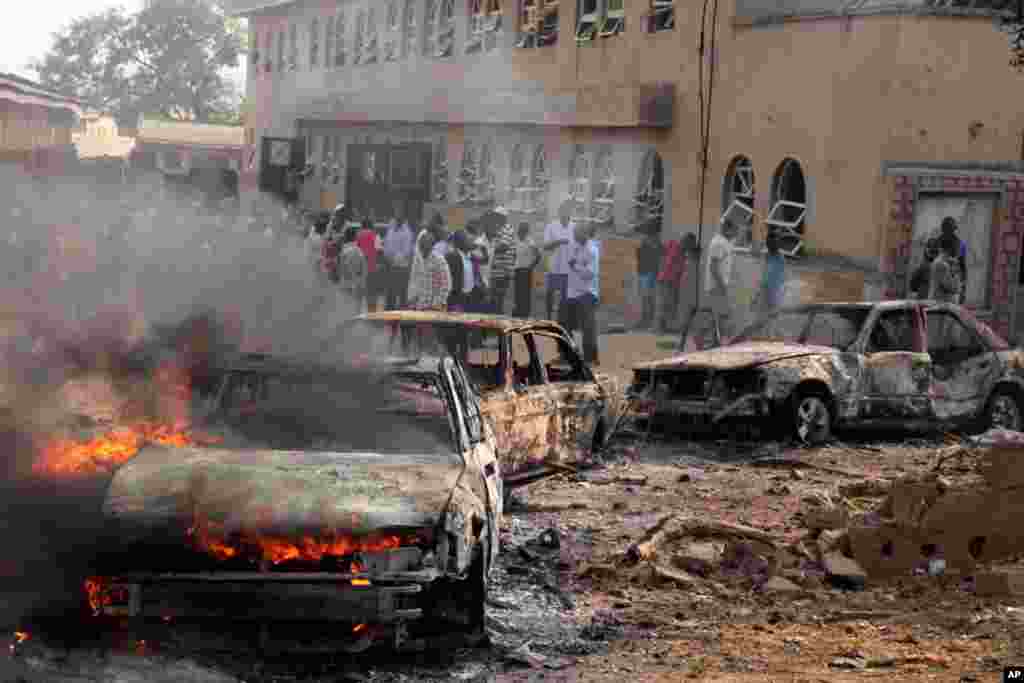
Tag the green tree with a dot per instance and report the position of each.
(168, 59)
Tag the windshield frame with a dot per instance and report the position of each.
(811, 311)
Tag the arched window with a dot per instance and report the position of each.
(280, 51)
(314, 44)
(410, 33)
(738, 199)
(293, 47)
(392, 32)
(440, 28)
(540, 182)
(789, 206)
(538, 23)
(359, 40)
(340, 44)
(602, 201)
(649, 202)
(371, 44)
(484, 25)
(440, 171)
(579, 183)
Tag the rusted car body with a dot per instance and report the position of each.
(813, 368)
(370, 498)
(548, 409)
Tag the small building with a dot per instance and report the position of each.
(36, 125)
(103, 153)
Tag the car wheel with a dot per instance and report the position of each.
(1003, 411)
(812, 418)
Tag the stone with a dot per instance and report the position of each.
(778, 584)
(831, 517)
(999, 582)
(868, 488)
(700, 558)
(843, 572)
(833, 540)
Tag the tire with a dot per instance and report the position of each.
(811, 417)
(1003, 411)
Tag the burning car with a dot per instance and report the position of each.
(817, 367)
(547, 408)
(369, 498)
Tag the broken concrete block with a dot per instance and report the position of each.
(887, 550)
(699, 558)
(1000, 582)
(833, 540)
(778, 584)
(832, 517)
(868, 488)
(843, 572)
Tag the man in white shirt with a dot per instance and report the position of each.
(718, 276)
(583, 290)
(558, 236)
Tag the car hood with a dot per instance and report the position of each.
(281, 492)
(736, 357)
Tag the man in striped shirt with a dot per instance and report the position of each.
(503, 243)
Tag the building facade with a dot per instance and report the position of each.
(36, 125)
(852, 126)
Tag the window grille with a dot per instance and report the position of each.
(340, 45)
(579, 184)
(440, 171)
(392, 33)
(314, 44)
(441, 28)
(538, 23)
(411, 34)
(649, 202)
(602, 203)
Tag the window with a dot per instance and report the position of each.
(663, 15)
(439, 180)
(832, 328)
(392, 32)
(255, 55)
(599, 19)
(359, 40)
(894, 331)
(280, 51)
(579, 183)
(483, 361)
(649, 202)
(370, 45)
(475, 183)
(949, 340)
(340, 46)
(789, 206)
(293, 47)
(602, 203)
(738, 199)
(268, 64)
(329, 34)
(538, 23)
(440, 28)
(526, 368)
(537, 196)
(484, 25)
(314, 44)
(560, 361)
(410, 34)
(518, 178)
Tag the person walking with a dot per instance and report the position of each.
(315, 241)
(558, 236)
(718, 277)
(353, 270)
(945, 282)
(503, 264)
(527, 258)
(648, 259)
(583, 292)
(669, 276)
(773, 278)
(398, 253)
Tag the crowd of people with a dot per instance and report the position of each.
(403, 265)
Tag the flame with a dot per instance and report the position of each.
(358, 628)
(360, 582)
(210, 537)
(96, 593)
(21, 637)
(67, 457)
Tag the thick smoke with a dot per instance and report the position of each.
(103, 285)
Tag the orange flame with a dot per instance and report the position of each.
(358, 627)
(96, 593)
(21, 636)
(209, 537)
(66, 457)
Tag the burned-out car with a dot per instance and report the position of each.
(368, 497)
(547, 407)
(817, 367)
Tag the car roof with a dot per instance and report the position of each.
(499, 323)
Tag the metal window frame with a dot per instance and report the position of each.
(392, 32)
(409, 29)
(602, 198)
(314, 43)
(649, 202)
(340, 57)
(662, 7)
(792, 229)
(441, 29)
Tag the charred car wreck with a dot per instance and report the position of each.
(547, 408)
(369, 498)
(818, 367)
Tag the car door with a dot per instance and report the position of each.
(579, 401)
(520, 411)
(897, 369)
(963, 366)
(481, 456)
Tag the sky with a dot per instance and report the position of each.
(29, 36)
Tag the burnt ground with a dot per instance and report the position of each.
(566, 606)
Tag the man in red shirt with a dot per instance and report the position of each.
(367, 240)
(672, 264)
